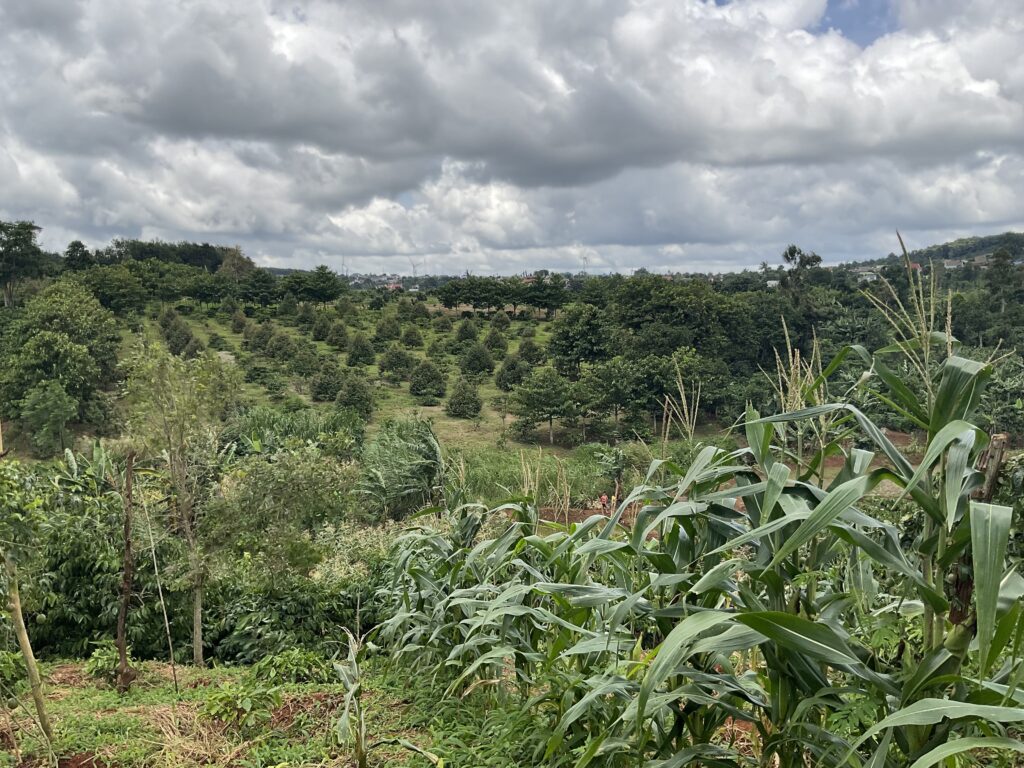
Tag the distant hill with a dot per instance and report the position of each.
(968, 248)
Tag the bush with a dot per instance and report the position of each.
(496, 343)
(501, 321)
(356, 394)
(532, 352)
(464, 401)
(326, 383)
(217, 342)
(288, 305)
(321, 327)
(412, 338)
(281, 347)
(337, 337)
(396, 364)
(361, 351)
(102, 664)
(438, 349)
(294, 666)
(477, 361)
(442, 324)
(243, 706)
(512, 373)
(306, 315)
(239, 321)
(388, 329)
(427, 383)
(467, 333)
(260, 336)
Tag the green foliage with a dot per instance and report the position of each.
(360, 351)
(356, 395)
(264, 429)
(464, 402)
(427, 383)
(63, 335)
(542, 397)
(327, 382)
(45, 413)
(580, 334)
(412, 338)
(337, 336)
(388, 329)
(532, 352)
(12, 672)
(466, 333)
(294, 665)
(245, 707)
(402, 469)
(511, 373)
(103, 661)
(396, 364)
(476, 361)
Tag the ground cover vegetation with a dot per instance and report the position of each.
(766, 519)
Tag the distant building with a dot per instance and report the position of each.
(952, 263)
(866, 277)
(772, 283)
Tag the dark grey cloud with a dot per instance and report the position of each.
(507, 136)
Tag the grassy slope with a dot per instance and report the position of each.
(152, 726)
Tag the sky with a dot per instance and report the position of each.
(452, 136)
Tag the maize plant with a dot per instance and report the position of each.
(740, 618)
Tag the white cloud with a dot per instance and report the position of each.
(500, 137)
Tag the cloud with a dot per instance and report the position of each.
(504, 137)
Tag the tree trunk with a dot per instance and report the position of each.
(34, 681)
(125, 674)
(197, 622)
(551, 431)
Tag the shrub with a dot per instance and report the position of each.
(260, 336)
(427, 383)
(306, 361)
(102, 664)
(281, 347)
(438, 349)
(217, 342)
(511, 373)
(361, 351)
(496, 343)
(288, 305)
(243, 706)
(321, 327)
(337, 337)
(295, 665)
(467, 332)
(388, 329)
(442, 324)
(501, 321)
(412, 338)
(477, 361)
(306, 315)
(326, 383)
(396, 364)
(532, 352)
(464, 401)
(239, 321)
(356, 394)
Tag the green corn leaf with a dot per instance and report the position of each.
(990, 531)
(931, 711)
(959, 746)
(835, 503)
(673, 650)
